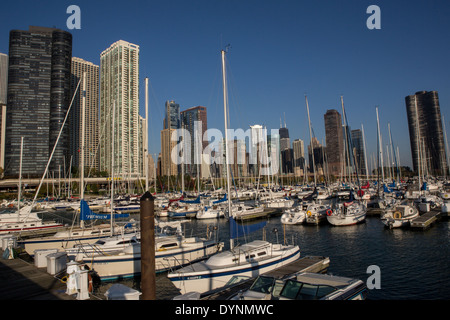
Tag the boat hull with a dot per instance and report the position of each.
(211, 279)
(346, 220)
(114, 267)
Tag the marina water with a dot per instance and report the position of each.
(414, 265)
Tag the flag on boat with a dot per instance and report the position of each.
(239, 230)
(87, 214)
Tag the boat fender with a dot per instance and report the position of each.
(91, 283)
(329, 212)
(397, 215)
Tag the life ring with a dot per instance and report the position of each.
(397, 215)
(329, 212)
(308, 213)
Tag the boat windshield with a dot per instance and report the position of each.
(296, 290)
(262, 284)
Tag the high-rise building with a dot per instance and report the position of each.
(80, 66)
(38, 99)
(334, 138)
(298, 147)
(119, 91)
(194, 120)
(318, 160)
(172, 115)
(286, 151)
(3, 98)
(358, 151)
(426, 133)
(168, 146)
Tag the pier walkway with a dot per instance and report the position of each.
(425, 220)
(22, 280)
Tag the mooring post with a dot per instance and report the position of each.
(147, 221)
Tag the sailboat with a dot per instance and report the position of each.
(24, 220)
(251, 259)
(400, 215)
(172, 250)
(344, 213)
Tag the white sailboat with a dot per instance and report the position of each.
(171, 251)
(400, 215)
(249, 259)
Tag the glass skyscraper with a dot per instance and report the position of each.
(426, 133)
(38, 99)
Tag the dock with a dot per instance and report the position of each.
(315, 264)
(22, 280)
(425, 220)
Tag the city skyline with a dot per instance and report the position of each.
(279, 52)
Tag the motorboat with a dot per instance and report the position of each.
(294, 215)
(400, 216)
(279, 203)
(210, 212)
(317, 286)
(250, 259)
(241, 211)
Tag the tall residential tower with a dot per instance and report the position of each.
(119, 91)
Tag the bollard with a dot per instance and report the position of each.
(147, 219)
(83, 292)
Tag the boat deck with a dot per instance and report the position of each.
(314, 264)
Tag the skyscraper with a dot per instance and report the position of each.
(286, 151)
(425, 132)
(194, 120)
(298, 148)
(91, 113)
(358, 151)
(119, 91)
(172, 115)
(334, 138)
(3, 98)
(38, 99)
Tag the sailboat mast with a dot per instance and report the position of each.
(19, 194)
(225, 102)
(418, 141)
(112, 167)
(310, 139)
(146, 136)
(83, 122)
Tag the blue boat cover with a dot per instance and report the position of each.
(87, 214)
(239, 230)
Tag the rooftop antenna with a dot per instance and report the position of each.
(284, 119)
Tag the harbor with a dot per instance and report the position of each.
(410, 259)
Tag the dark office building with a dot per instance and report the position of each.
(425, 132)
(38, 99)
(358, 151)
(334, 138)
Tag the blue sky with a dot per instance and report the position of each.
(280, 51)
